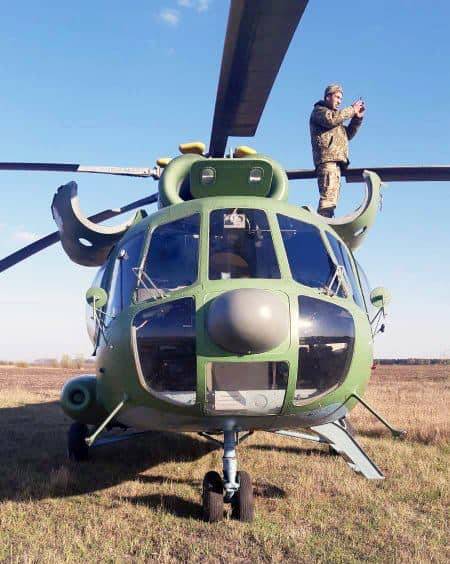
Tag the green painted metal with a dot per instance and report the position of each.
(354, 227)
(231, 178)
(92, 438)
(96, 297)
(89, 410)
(380, 297)
(118, 371)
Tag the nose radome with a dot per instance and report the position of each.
(248, 320)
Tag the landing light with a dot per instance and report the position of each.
(256, 175)
(208, 175)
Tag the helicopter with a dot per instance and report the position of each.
(228, 310)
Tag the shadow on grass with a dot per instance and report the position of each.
(376, 433)
(172, 504)
(292, 450)
(34, 465)
(263, 490)
(269, 491)
(164, 480)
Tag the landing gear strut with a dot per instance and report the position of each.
(234, 488)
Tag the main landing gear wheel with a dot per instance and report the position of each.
(242, 502)
(77, 449)
(213, 504)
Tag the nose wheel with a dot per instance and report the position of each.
(242, 502)
(213, 502)
(234, 488)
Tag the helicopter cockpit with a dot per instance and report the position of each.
(157, 267)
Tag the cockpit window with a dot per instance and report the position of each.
(366, 288)
(92, 321)
(240, 245)
(325, 350)
(343, 259)
(123, 279)
(172, 259)
(166, 347)
(308, 258)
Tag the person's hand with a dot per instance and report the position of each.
(358, 106)
(360, 113)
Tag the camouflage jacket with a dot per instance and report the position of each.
(329, 137)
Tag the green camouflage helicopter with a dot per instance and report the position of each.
(228, 310)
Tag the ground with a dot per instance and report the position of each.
(139, 500)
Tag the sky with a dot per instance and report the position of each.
(114, 84)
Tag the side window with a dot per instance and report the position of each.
(366, 288)
(129, 263)
(172, 259)
(343, 259)
(92, 323)
(123, 279)
(308, 258)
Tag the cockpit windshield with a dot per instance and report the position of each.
(172, 259)
(343, 259)
(308, 258)
(240, 245)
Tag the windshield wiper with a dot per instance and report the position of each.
(340, 278)
(140, 273)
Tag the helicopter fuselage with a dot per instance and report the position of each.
(156, 347)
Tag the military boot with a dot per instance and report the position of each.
(327, 212)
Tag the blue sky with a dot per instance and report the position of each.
(111, 84)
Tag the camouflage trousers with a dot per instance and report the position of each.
(329, 181)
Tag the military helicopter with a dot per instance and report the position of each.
(228, 310)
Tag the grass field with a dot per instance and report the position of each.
(139, 500)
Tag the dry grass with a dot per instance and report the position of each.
(139, 501)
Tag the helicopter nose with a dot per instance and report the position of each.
(248, 320)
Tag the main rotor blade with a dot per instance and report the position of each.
(58, 167)
(53, 238)
(402, 173)
(258, 35)
(386, 173)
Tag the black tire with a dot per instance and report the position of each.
(77, 449)
(242, 502)
(213, 504)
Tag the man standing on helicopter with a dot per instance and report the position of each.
(329, 140)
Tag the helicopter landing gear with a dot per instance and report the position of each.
(235, 488)
(345, 424)
(77, 449)
(213, 503)
(242, 502)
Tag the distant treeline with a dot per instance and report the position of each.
(410, 361)
(80, 362)
(66, 361)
